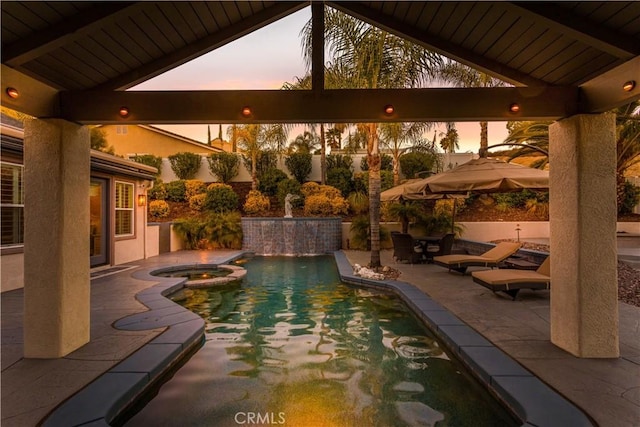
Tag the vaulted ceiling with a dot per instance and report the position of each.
(75, 59)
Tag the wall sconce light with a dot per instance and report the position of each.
(514, 108)
(142, 199)
(12, 92)
(246, 111)
(124, 111)
(389, 110)
(629, 86)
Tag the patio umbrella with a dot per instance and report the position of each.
(483, 176)
(396, 193)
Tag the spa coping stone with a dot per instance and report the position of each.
(533, 402)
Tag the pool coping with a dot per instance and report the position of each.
(107, 397)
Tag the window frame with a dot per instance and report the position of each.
(116, 209)
(15, 247)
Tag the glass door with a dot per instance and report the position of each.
(98, 204)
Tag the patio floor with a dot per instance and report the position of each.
(608, 390)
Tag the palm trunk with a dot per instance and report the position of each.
(373, 158)
(396, 168)
(254, 171)
(484, 139)
(323, 156)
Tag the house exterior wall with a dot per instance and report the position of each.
(132, 248)
(142, 140)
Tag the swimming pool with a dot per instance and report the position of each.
(294, 346)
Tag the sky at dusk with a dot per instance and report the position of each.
(265, 59)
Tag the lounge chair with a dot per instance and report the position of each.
(405, 248)
(491, 258)
(510, 281)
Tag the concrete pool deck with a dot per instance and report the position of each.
(608, 390)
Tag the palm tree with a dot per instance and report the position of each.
(627, 141)
(461, 75)
(449, 140)
(395, 135)
(249, 140)
(365, 57)
(306, 142)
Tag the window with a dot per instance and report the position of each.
(12, 205)
(121, 129)
(124, 209)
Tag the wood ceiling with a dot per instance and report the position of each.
(74, 59)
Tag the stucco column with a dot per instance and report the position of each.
(584, 283)
(56, 248)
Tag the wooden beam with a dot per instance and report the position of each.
(36, 98)
(65, 32)
(330, 106)
(436, 44)
(317, 46)
(605, 92)
(204, 45)
(579, 28)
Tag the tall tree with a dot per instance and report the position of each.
(306, 142)
(365, 57)
(397, 137)
(250, 140)
(208, 134)
(450, 140)
(461, 75)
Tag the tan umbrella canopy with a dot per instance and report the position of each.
(481, 175)
(396, 193)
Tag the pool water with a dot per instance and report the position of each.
(293, 346)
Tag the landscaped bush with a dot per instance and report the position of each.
(158, 209)
(149, 160)
(342, 179)
(269, 181)
(299, 164)
(358, 202)
(386, 180)
(360, 233)
(629, 199)
(224, 166)
(185, 165)
(224, 230)
(290, 186)
(386, 163)
(335, 161)
(196, 202)
(323, 200)
(158, 191)
(266, 160)
(412, 163)
(193, 187)
(220, 198)
(256, 203)
(176, 191)
(192, 231)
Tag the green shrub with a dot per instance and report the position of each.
(196, 202)
(266, 160)
(158, 191)
(176, 191)
(299, 164)
(360, 233)
(224, 230)
(256, 203)
(630, 198)
(193, 187)
(342, 179)
(358, 202)
(158, 209)
(185, 165)
(220, 198)
(323, 200)
(224, 166)
(149, 160)
(290, 186)
(339, 161)
(269, 181)
(386, 163)
(192, 231)
(412, 163)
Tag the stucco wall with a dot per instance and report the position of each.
(131, 249)
(12, 271)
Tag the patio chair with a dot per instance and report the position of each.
(510, 280)
(491, 258)
(405, 248)
(442, 248)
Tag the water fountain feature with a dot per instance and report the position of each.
(291, 236)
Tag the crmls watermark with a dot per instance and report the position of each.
(259, 418)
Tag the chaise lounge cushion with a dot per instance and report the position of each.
(512, 280)
(491, 258)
